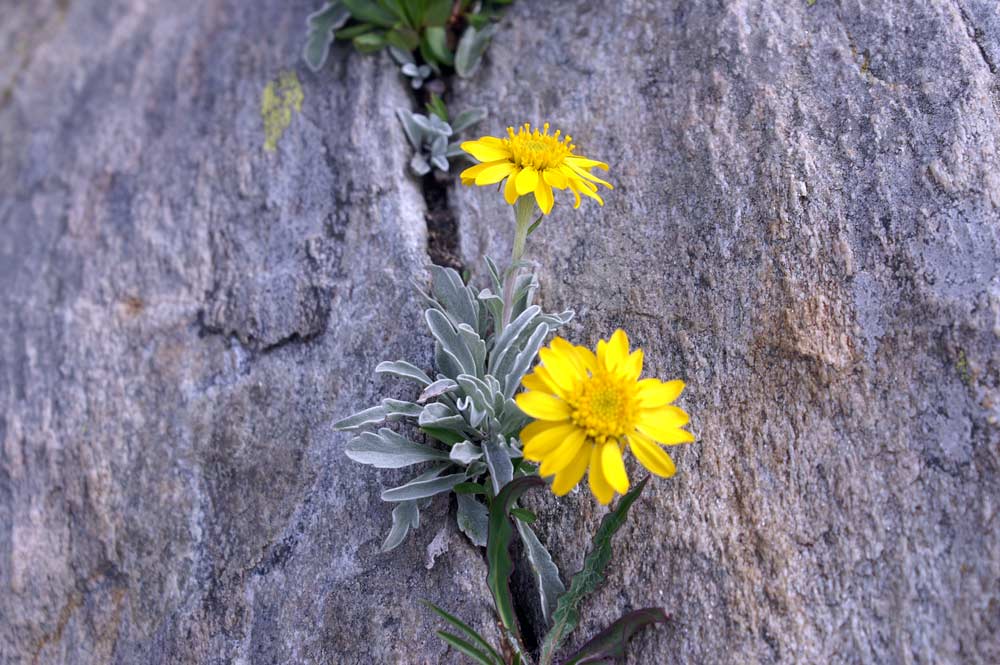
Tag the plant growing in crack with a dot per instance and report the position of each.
(486, 441)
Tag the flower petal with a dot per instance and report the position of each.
(614, 467)
(563, 371)
(654, 393)
(542, 437)
(632, 367)
(527, 180)
(494, 173)
(569, 352)
(651, 456)
(587, 357)
(570, 477)
(534, 382)
(564, 454)
(584, 163)
(510, 189)
(583, 173)
(616, 352)
(556, 178)
(486, 152)
(543, 195)
(598, 484)
(543, 406)
(661, 424)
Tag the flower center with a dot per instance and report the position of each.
(605, 406)
(538, 149)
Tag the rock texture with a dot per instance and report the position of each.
(183, 314)
(806, 228)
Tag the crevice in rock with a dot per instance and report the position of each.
(978, 37)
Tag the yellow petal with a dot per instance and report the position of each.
(494, 173)
(486, 152)
(617, 350)
(527, 180)
(654, 393)
(510, 189)
(651, 456)
(661, 424)
(587, 357)
(583, 173)
(576, 194)
(563, 371)
(542, 437)
(543, 195)
(569, 352)
(534, 382)
(550, 383)
(471, 172)
(614, 467)
(632, 367)
(585, 163)
(672, 437)
(542, 406)
(564, 453)
(598, 484)
(556, 178)
(569, 477)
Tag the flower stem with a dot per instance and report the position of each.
(524, 211)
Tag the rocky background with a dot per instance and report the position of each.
(205, 249)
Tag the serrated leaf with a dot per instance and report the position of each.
(474, 636)
(321, 26)
(405, 516)
(567, 614)
(441, 416)
(419, 489)
(396, 409)
(405, 370)
(609, 645)
(550, 585)
(506, 346)
(472, 518)
(453, 295)
(388, 450)
(369, 416)
(500, 565)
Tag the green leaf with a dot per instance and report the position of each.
(438, 12)
(471, 48)
(437, 107)
(498, 461)
(388, 450)
(550, 585)
(443, 435)
(609, 644)
(436, 389)
(405, 39)
(498, 549)
(420, 488)
(476, 638)
(369, 12)
(468, 118)
(567, 614)
(405, 370)
(352, 31)
(465, 648)
(322, 25)
(436, 40)
(524, 515)
(370, 42)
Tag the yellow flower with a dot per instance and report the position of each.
(589, 407)
(533, 162)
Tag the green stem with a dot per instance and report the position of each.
(524, 211)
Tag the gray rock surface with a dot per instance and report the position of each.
(805, 228)
(183, 314)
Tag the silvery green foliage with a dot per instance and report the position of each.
(430, 135)
(322, 24)
(471, 48)
(464, 424)
(409, 68)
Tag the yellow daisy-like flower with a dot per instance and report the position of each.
(533, 162)
(589, 407)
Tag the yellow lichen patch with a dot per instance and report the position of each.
(276, 104)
